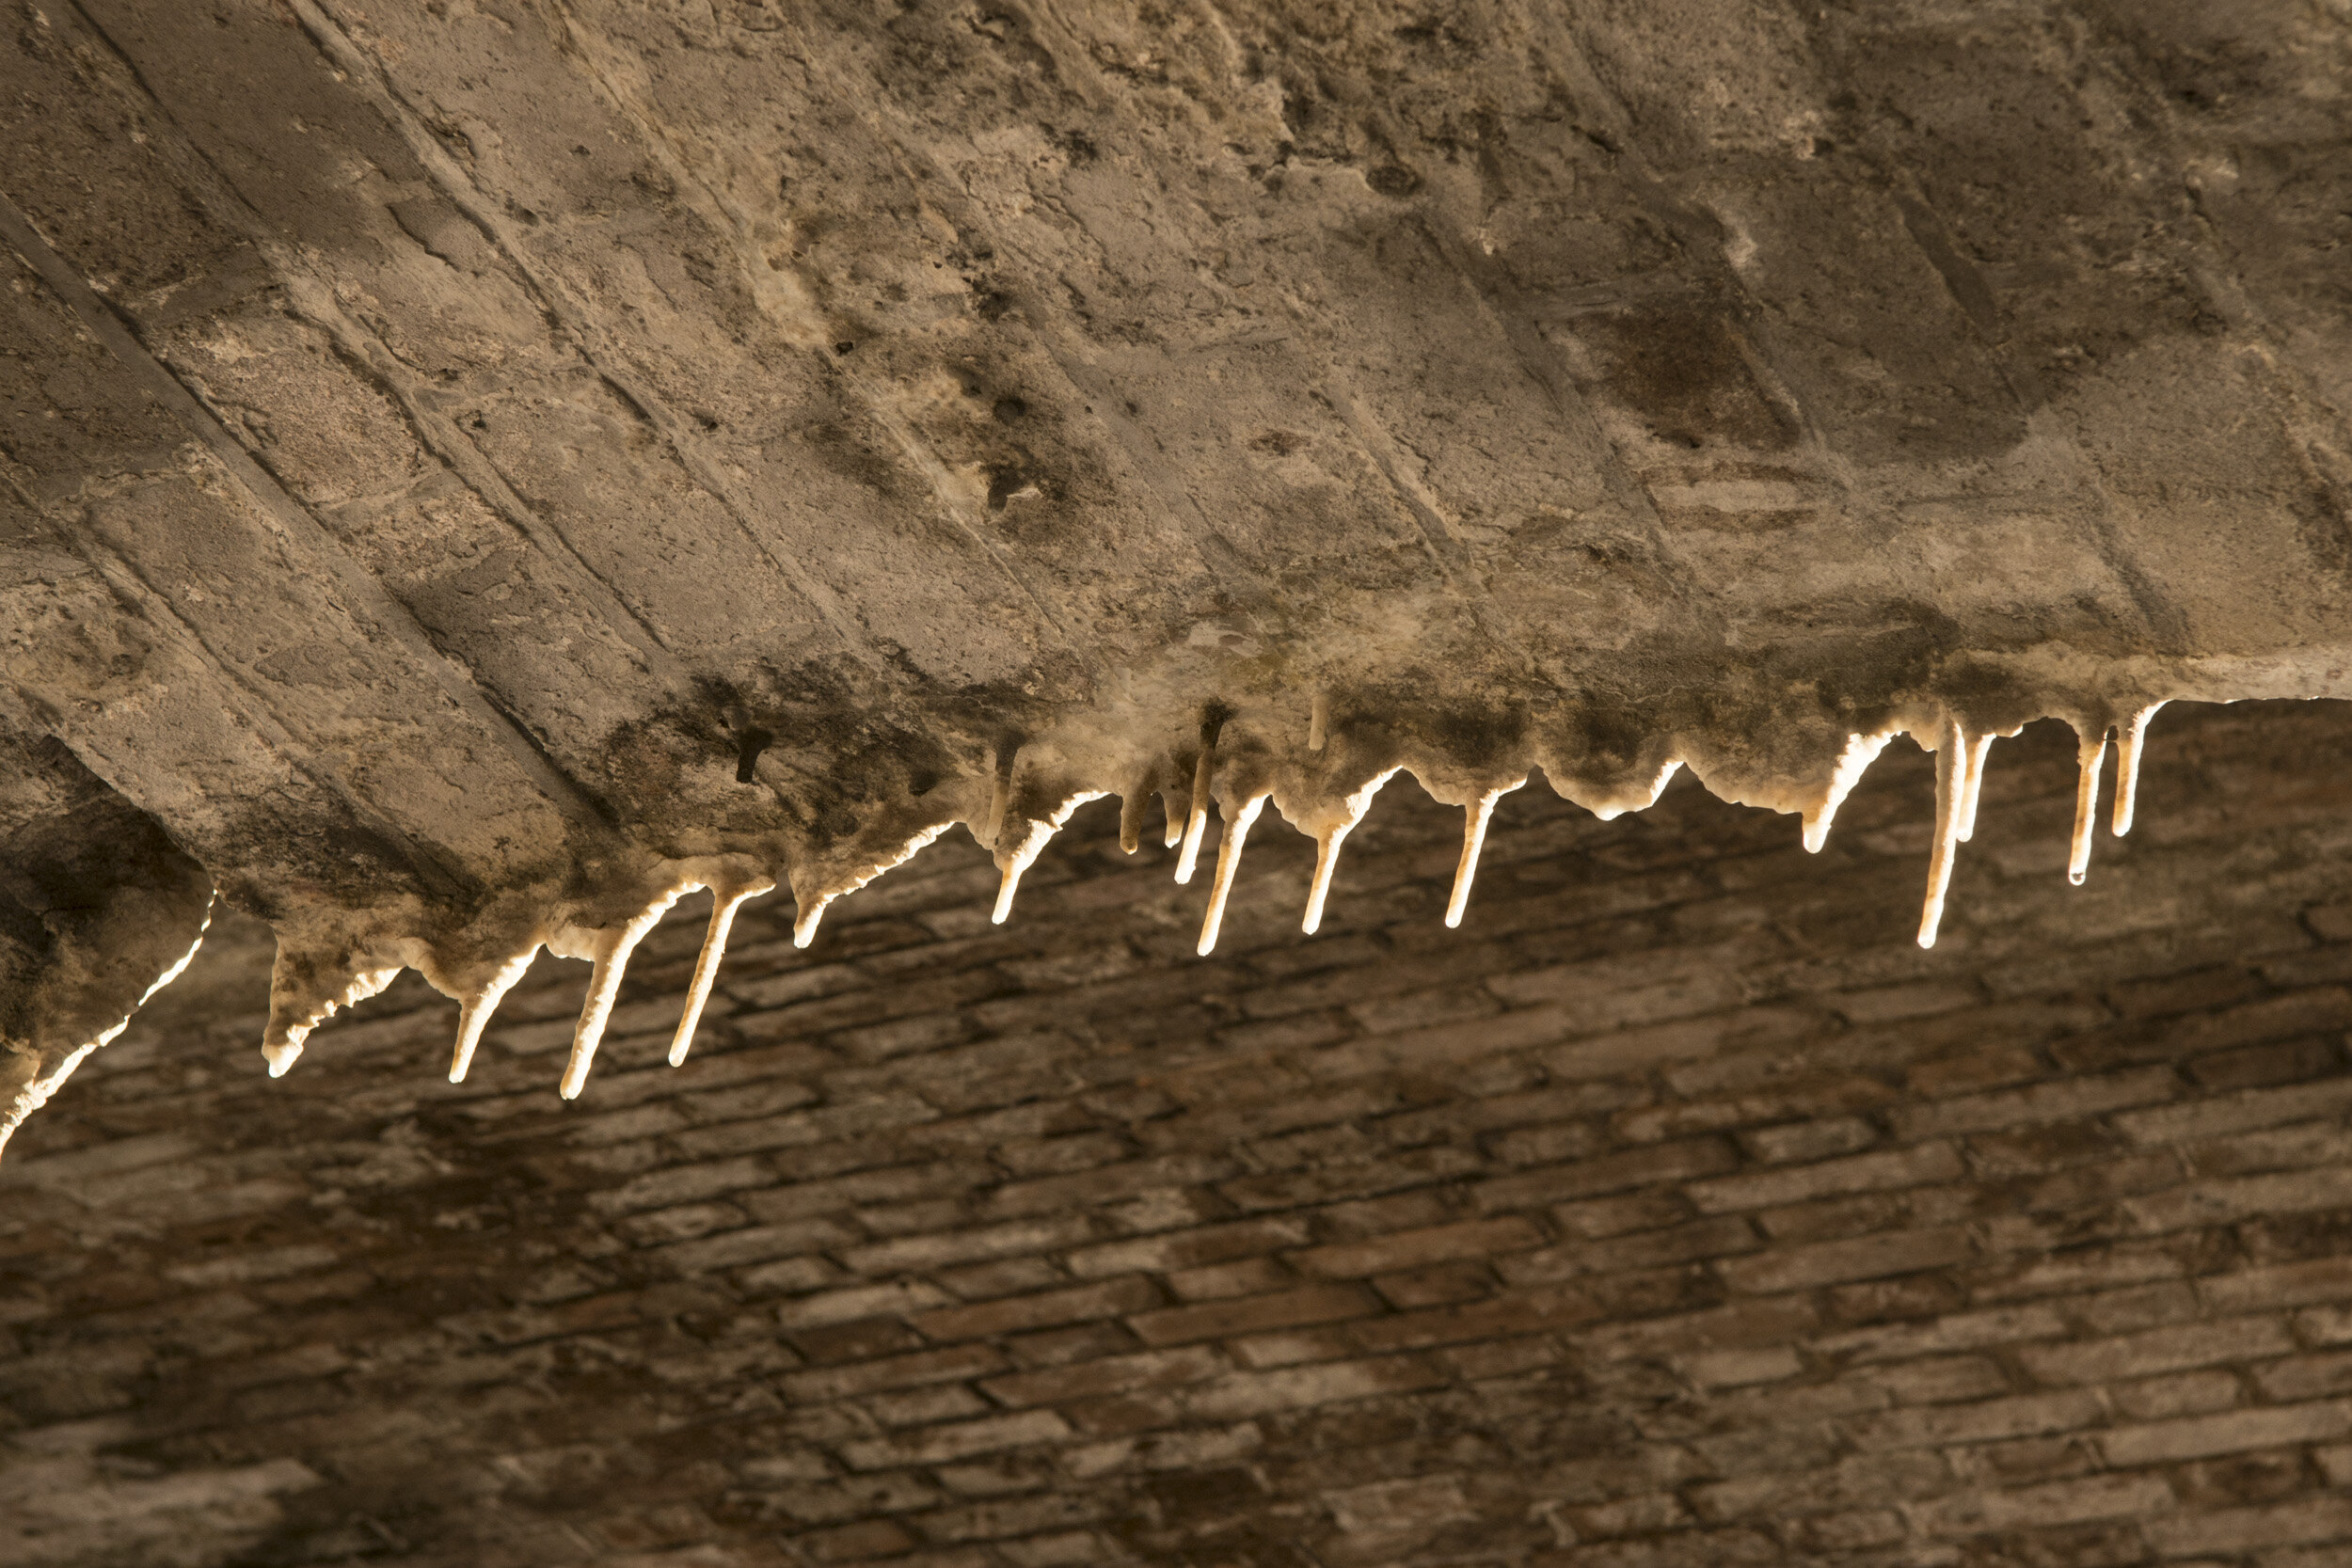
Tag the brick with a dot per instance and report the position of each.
(682, 1184)
(2158, 1350)
(1793, 1141)
(2061, 1100)
(2278, 1285)
(953, 1363)
(1915, 999)
(1953, 1332)
(1988, 1068)
(1522, 1312)
(1614, 1216)
(1187, 1249)
(2249, 1067)
(1106, 1299)
(1436, 1285)
(854, 1543)
(805, 1127)
(753, 1245)
(1905, 1168)
(1939, 1379)
(1747, 1324)
(1981, 1422)
(2225, 1432)
(1007, 1276)
(2222, 1201)
(1639, 1050)
(1649, 1249)
(962, 1245)
(1215, 1320)
(2220, 1115)
(1298, 1387)
(887, 1183)
(1794, 1268)
(1246, 1277)
(1658, 1511)
(2303, 1377)
(1465, 1041)
(1860, 1480)
(1815, 1097)
(993, 1520)
(838, 1307)
(2063, 1502)
(1118, 1375)
(2160, 1397)
(1734, 1369)
(1060, 1549)
(1608, 1173)
(2322, 1007)
(1169, 1450)
(960, 1440)
(2195, 991)
(1106, 1184)
(1413, 1248)
(2237, 1531)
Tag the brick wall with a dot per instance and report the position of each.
(1675, 1211)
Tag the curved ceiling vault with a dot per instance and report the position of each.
(477, 469)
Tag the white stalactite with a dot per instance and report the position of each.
(2127, 747)
(1330, 828)
(1228, 861)
(1861, 750)
(2091, 752)
(1197, 814)
(1475, 818)
(474, 1009)
(36, 1093)
(1952, 753)
(610, 949)
(1979, 748)
(1131, 804)
(725, 899)
(1018, 857)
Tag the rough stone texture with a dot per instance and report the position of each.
(473, 469)
(1677, 1211)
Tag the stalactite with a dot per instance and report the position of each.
(1131, 804)
(38, 1091)
(1196, 814)
(1328, 824)
(725, 899)
(1228, 863)
(2091, 753)
(477, 1003)
(1014, 858)
(1952, 754)
(2127, 745)
(1475, 818)
(1979, 748)
(609, 949)
(1018, 798)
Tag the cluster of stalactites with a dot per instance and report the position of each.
(1961, 753)
(1029, 792)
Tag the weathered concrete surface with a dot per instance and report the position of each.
(473, 469)
(1675, 1212)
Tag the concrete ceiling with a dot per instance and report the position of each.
(475, 470)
